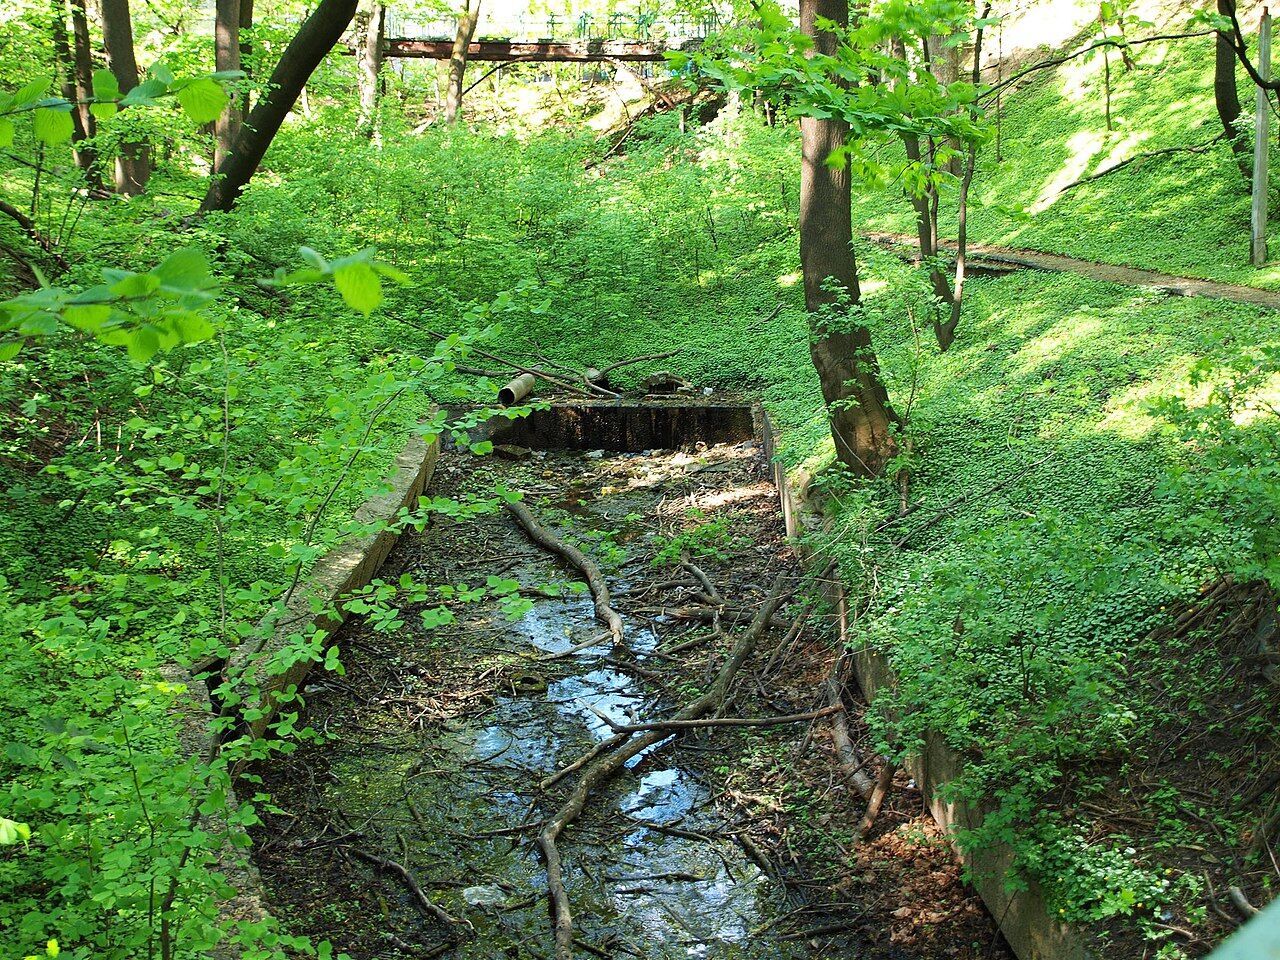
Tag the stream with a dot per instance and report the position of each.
(437, 742)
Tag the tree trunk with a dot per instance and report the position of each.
(857, 402)
(458, 59)
(1226, 95)
(226, 52)
(246, 51)
(370, 56)
(314, 39)
(76, 86)
(133, 163)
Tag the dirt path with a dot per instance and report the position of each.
(982, 254)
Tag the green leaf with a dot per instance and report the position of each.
(86, 316)
(105, 85)
(11, 832)
(30, 93)
(53, 126)
(135, 284)
(203, 99)
(183, 271)
(359, 285)
(9, 350)
(394, 274)
(6, 132)
(144, 93)
(142, 344)
(193, 328)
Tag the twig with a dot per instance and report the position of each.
(399, 870)
(607, 765)
(605, 371)
(1197, 148)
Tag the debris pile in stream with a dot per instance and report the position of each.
(475, 727)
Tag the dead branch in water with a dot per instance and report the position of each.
(609, 763)
(402, 872)
(571, 554)
(716, 721)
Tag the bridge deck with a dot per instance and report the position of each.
(590, 51)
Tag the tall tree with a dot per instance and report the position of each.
(226, 52)
(1226, 96)
(857, 403)
(76, 81)
(370, 54)
(133, 160)
(314, 39)
(467, 21)
(246, 49)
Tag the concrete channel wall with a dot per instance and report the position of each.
(349, 566)
(1023, 917)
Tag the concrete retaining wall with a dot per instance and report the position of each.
(347, 567)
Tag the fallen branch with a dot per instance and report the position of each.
(947, 509)
(571, 554)
(607, 765)
(715, 721)
(1241, 902)
(849, 763)
(32, 231)
(883, 783)
(703, 579)
(402, 872)
(1197, 148)
(605, 371)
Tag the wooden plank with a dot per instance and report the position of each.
(1261, 145)
(544, 51)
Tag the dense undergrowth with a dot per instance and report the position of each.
(1055, 516)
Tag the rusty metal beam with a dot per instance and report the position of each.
(542, 51)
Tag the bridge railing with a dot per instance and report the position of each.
(616, 26)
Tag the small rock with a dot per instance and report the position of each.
(594, 454)
(509, 451)
(484, 896)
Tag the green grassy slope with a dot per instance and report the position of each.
(1182, 213)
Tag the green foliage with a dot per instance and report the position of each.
(1233, 474)
(709, 538)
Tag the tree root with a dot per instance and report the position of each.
(572, 555)
(607, 764)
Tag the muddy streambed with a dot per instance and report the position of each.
(461, 700)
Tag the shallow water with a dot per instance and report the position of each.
(652, 869)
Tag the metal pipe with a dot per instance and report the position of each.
(517, 389)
